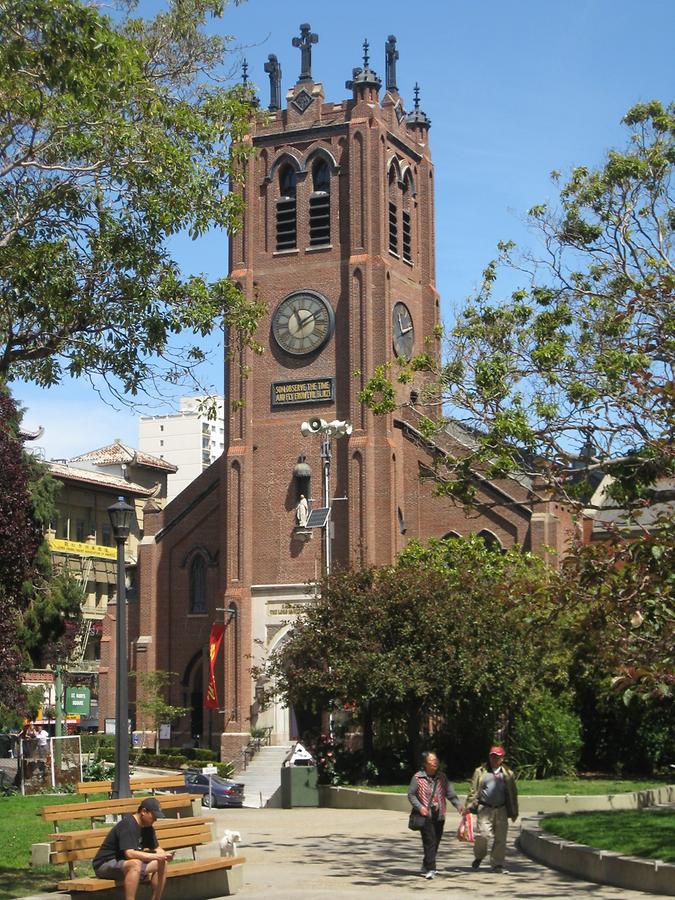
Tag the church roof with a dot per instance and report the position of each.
(118, 453)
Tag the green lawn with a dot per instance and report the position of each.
(21, 826)
(648, 832)
(551, 787)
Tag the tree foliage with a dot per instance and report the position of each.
(572, 374)
(114, 137)
(41, 612)
(151, 707)
(624, 592)
(450, 625)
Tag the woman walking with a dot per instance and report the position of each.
(428, 794)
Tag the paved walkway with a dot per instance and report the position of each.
(312, 854)
(344, 853)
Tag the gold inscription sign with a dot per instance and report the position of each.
(286, 608)
(319, 390)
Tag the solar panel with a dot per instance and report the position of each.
(318, 517)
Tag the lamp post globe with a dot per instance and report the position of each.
(120, 514)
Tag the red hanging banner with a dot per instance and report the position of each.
(211, 699)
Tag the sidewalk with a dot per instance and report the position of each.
(311, 854)
(320, 853)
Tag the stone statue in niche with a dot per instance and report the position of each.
(302, 512)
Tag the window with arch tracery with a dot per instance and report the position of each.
(198, 585)
(287, 209)
(319, 205)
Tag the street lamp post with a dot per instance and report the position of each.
(120, 518)
(326, 453)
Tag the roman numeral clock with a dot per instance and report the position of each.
(303, 323)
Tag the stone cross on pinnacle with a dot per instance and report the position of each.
(304, 42)
(273, 69)
(417, 96)
(366, 57)
(390, 55)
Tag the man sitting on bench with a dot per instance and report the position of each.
(131, 853)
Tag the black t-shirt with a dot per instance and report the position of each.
(126, 835)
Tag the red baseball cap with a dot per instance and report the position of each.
(497, 751)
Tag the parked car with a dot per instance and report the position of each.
(224, 791)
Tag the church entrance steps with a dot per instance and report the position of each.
(262, 777)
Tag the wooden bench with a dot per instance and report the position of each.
(195, 879)
(149, 784)
(71, 846)
(95, 809)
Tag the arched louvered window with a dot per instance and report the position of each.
(406, 216)
(287, 230)
(198, 585)
(393, 210)
(319, 205)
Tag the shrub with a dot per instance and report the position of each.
(545, 737)
(98, 771)
(225, 770)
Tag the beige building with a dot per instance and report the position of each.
(81, 540)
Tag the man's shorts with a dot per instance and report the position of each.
(114, 868)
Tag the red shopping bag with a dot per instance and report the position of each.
(465, 829)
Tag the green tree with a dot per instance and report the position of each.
(40, 612)
(572, 373)
(151, 706)
(451, 625)
(623, 590)
(115, 135)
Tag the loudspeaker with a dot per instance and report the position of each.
(313, 426)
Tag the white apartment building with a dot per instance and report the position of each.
(187, 438)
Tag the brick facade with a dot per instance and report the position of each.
(239, 515)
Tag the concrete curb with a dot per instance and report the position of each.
(361, 798)
(600, 866)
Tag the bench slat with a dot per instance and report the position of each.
(195, 838)
(61, 811)
(146, 783)
(90, 836)
(175, 870)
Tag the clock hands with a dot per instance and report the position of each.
(401, 328)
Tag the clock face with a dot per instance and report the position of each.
(303, 322)
(403, 331)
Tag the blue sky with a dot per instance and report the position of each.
(513, 89)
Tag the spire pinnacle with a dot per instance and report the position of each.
(304, 42)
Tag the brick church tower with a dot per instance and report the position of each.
(338, 240)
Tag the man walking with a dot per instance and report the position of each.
(131, 853)
(493, 795)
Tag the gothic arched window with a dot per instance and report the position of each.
(407, 217)
(490, 540)
(393, 210)
(286, 210)
(319, 205)
(198, 585)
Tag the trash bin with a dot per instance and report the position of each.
(299, 779)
